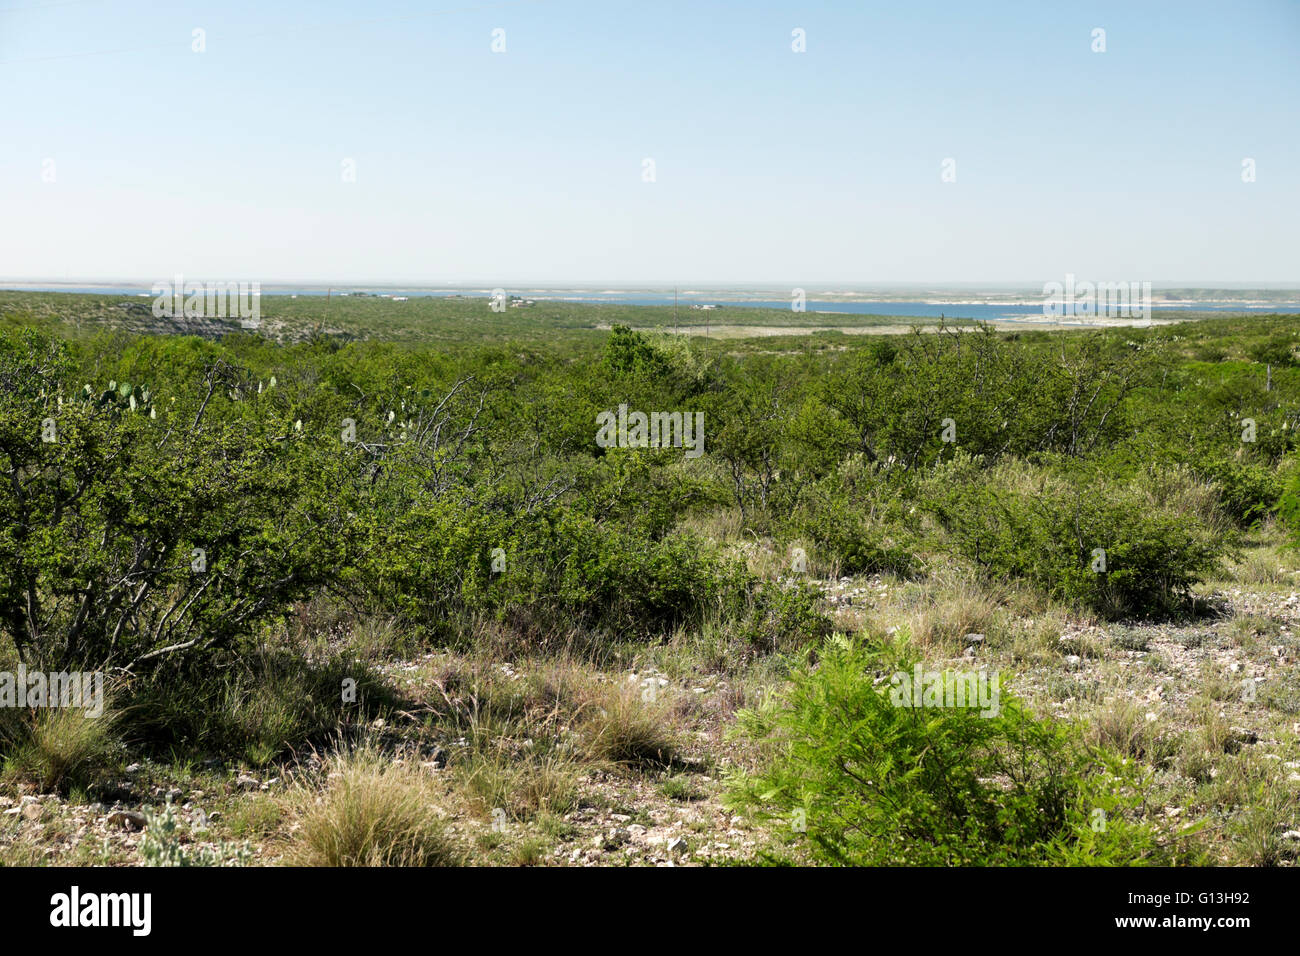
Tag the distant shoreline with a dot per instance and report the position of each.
(994, 308)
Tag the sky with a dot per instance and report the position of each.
(127, 155)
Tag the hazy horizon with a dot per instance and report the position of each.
(633, 285)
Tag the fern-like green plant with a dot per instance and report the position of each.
(861, 781)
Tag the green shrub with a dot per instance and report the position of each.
(1288, 506)
(1000, 397)
(783, 617)
(1278, 350)
(134, 529)
(853, 518)
(559, 563)
(1133, 546)
(873, 783)
(1248, 490)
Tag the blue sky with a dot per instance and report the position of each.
(771, 167)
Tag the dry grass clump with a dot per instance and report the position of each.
(1265, 567)
(1125, 728)
(372, 811)
(949, 606)
(619, 726)
(523, 787)
(57, 748)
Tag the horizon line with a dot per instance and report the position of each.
(624, 285)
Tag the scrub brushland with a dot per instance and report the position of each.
(365, 588)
